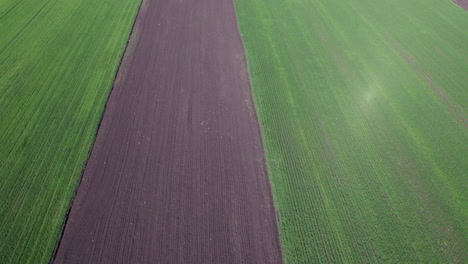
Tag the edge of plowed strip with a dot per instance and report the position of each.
(121, 71)
(462, 3)
(262, 140)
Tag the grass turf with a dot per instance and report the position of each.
(58, 62)
(363, 106)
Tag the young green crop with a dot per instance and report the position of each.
(363, 106)
(58, 60)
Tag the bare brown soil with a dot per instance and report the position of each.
(177, 173)
(462, 3)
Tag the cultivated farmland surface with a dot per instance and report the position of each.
(462, 3)
(177, 173)
(58, 60)
(363, 105)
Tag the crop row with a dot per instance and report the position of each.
(58, 62)
(363, 109)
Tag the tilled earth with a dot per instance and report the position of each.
(462, 3)
(177, 173)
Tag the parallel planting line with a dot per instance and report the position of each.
(362, 105)
(58, 61)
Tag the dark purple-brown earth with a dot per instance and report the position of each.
(177, 173)
(462, 3)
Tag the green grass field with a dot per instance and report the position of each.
(363, 106)
(58, 60)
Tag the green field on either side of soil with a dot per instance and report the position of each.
(58, 60)
(363, 106)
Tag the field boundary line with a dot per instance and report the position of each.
(126, 54)
(259, 128)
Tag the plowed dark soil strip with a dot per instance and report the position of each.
(177, 173)
(462, 3)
